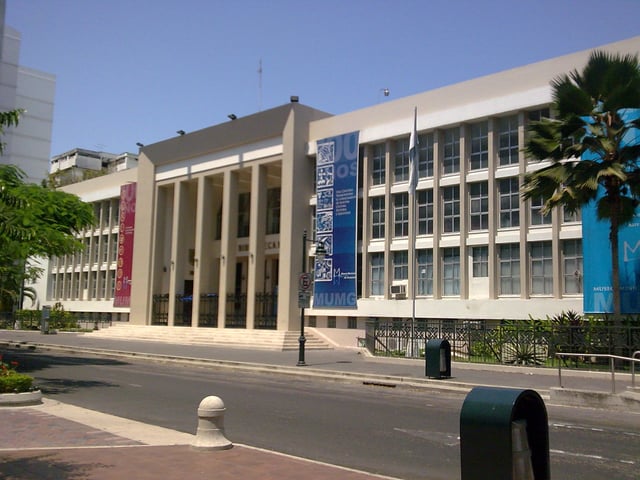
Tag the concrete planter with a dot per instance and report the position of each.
(20, 399)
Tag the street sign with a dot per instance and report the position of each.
(305, 282)
(304, 300)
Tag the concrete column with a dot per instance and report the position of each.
(228, 242)
(256, 239)
(176, 266)
(204, 227)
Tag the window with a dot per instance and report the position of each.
(94, 284)
(377, 273)
(425, 271)
(378, 169)
(425, 156)
(509, 260)
(509, 203)
(116, 211)
(537, 218)
(480, 261)
(377, 217)
(105, 248)
(479, 146)
(569, 217)
(541, 268)
(244, 211)
(451, 157)
(273, 211)
(479, 205)
(451, 271)
(114, 247)
(112, 284)
(96, 249)
(401, 163)
(425, 212)
(508, 140)
(537, 115)
(572, 266)
(401, 214)
(451, 209)
(400, 265)
(103, 284)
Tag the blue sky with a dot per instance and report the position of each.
(132, 71)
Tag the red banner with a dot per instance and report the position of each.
(122, 295)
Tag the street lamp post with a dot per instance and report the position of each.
(320, 253)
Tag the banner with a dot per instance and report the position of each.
(122, 294)
(336, 221)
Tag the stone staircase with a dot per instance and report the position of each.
(226, 337)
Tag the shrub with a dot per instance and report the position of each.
(11, 381)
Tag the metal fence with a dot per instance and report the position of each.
(522, 342)
(70, 321)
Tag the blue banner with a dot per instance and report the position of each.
(336, 220)
(596, 249)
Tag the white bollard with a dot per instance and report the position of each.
(210, 433)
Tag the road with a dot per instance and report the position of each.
(409, 434)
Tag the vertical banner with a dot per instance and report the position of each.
(336, 221)
(122, 294)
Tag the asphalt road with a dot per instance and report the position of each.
(397, 432)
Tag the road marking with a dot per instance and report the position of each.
(593, 457)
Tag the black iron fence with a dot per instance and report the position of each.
(266, 311)
(160, 309)
(525, 342)
(208, 316)
(236, 312)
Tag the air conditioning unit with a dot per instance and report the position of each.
(399, 291)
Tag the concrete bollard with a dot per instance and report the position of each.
(210, 433)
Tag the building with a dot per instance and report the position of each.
(221, 213)
(29, 144)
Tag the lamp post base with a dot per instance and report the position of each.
(301, 342)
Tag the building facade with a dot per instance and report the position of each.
(221, 213)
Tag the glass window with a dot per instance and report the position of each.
(94, 284)
(509, 260)
(377, 273)
(479, 146)
(244, 213)
(105, 248)
(508, 140)
(400, 265)
(112, 284)
(569, 217)
(273, 211)
(479, 205)
(377, 217)
(425, 271)
(537, 115)
(401, 162)
(451, 209)
(103, 284)
(540, 254)
(451, 271)
(480, 261)
(537, 218)
(572, 266)
(425, 212)
(378, 169)
(425, 156)
(401, 214)
(114, 247)
(96, 249)
(451, 157)
(509, 203)
(116, 211)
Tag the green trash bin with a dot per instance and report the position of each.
(437, 355)
(504, 435)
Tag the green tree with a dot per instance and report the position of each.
(35, 221)
(588, 149)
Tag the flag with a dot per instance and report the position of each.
(413, 155)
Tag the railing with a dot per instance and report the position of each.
(208, 316)
(612, 362)
(236, 312)
(266, 311)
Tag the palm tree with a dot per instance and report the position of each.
(589, 147)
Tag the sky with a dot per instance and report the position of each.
(131, 71)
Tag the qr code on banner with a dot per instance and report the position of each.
(326, 153)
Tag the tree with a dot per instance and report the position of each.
(590, 147)
(35, 221)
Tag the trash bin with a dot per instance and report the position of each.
(438, 358)
(504, 435)
(44, 320)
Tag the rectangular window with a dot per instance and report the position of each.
(94, 284)
(480, 261)
(540, 254)
(103, 284)
(244, 214)
(479, 146)
(479, 205)
(378, 167)
(377, 217)
(572, 266)
(569, 217)
(273, 211)
(537, 218)
(425, 271)
(401, 162)
(451, 157)
(425, 156)
(400, 265)
(508, 140)
(377, 273)
(112, 284)
(425, 212)
(116, 211)
(509, 261)
(105, 248)
(54, 286)
(401, 214)
(537, 115)
(509, 203)
(451, 271)
(451, 209)
(95, 246)
(114, 247)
